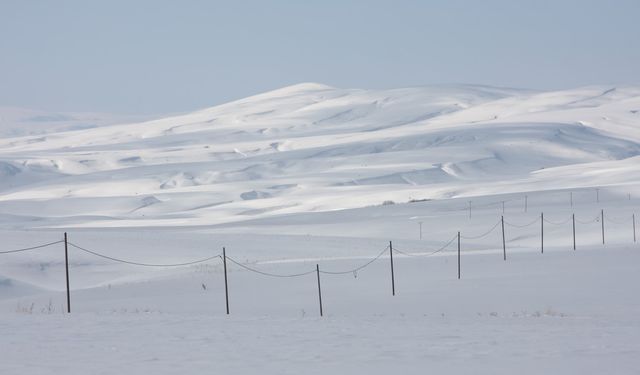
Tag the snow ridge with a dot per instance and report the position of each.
(329, 148)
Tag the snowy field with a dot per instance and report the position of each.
(295, 178)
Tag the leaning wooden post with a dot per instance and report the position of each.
(602, 220)
(319, 290)
(573, 218)
(66, 263)
(504, 245)
(458, 255)
(542, 232)
(393, 280)
(226, 288)
(633, 216)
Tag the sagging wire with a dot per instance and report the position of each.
(355, 270)
(522, 226)
(144, 264)
(268, 273)
(30, 248)
(424, 255)
(482, 235)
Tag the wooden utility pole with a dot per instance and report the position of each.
(66, 263)
(542, 232)
(458, 255)
(226, 287)
(573, 218)
(319, 290)
(393, 281)
(504, 245)
(602, 220)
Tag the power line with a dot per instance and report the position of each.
(30, 248)
(357, 268)
(595, 219)
(268, 273)
(428, 254)
(484, 234)
(522, 226)
(560, 223)
(143, 264)
(615, 221)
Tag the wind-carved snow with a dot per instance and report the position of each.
(333, 144)
(8, 170)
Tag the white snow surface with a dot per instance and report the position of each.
(313, 175)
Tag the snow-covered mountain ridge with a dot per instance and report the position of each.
(311, 147)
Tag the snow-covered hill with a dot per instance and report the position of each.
(311, 147)
(19, 122)
(295, 179)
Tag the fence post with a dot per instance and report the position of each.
(226, 288)
(66, 263)
(602, 220)
(393, 280)
(542, 232)
(525, 203)
(319, 290)
(634, 227)
(571, 198)
(573, 218)
(458, 255)
(504, 246)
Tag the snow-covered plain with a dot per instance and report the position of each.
(297, 177)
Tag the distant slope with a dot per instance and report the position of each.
(311, 147)
(17, 122)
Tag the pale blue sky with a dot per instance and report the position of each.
(154, 56)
